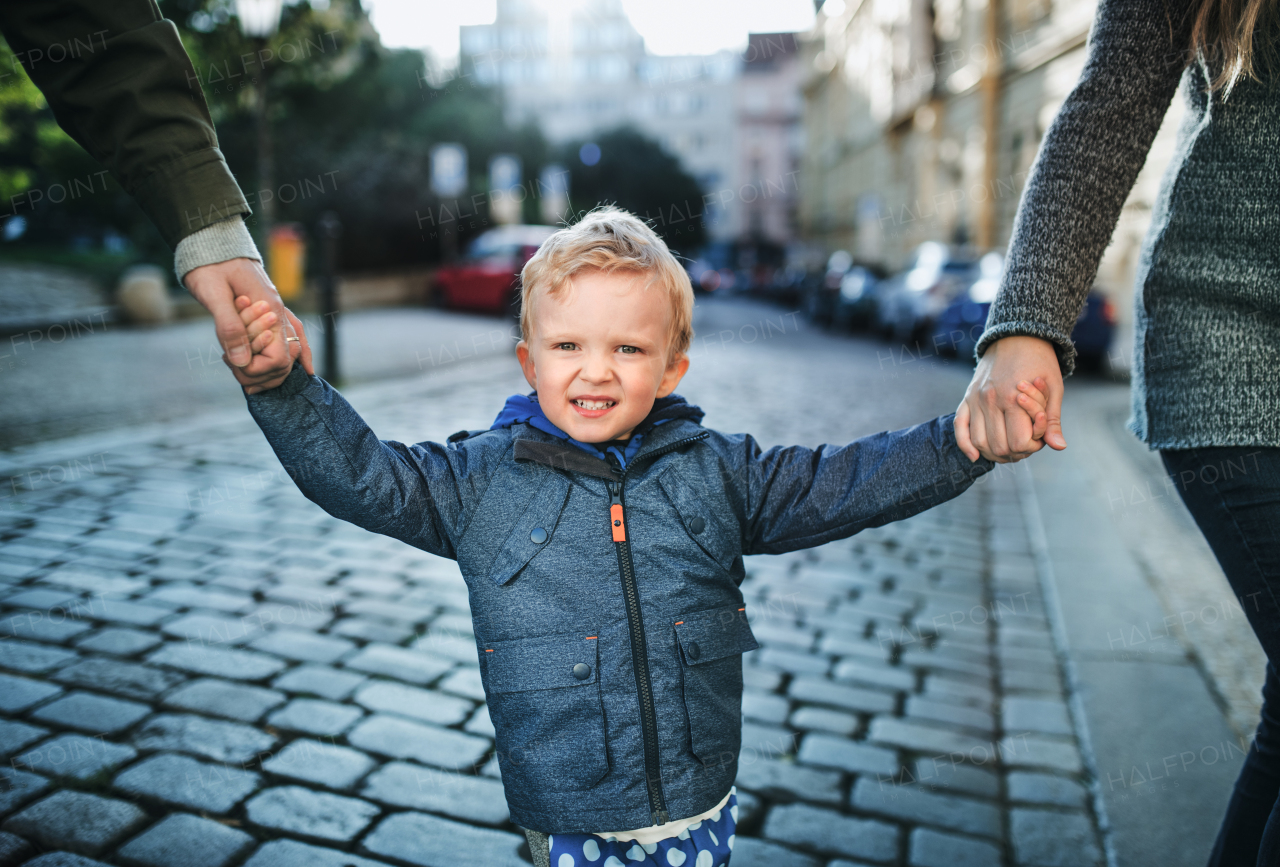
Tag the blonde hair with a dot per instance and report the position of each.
(1238, 37)
(610, 239)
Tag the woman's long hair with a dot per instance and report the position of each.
(1238, 38)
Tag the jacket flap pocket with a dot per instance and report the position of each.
(714, 634)
(699, 515)
(532, 530)
(546, 662)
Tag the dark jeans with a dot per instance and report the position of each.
(1234, 496)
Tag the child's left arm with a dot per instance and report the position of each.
(796, 497)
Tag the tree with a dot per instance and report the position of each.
(353, 124)
(60, 193)
(635, 173)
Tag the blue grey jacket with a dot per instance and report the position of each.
(608, 618)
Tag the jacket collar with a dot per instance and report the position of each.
(524, 409)
(537, 439)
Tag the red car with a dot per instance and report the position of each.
(488, 276)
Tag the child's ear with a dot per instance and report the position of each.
(674, 373)
(526, 364)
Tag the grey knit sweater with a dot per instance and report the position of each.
(1206, 367)
(217, 242)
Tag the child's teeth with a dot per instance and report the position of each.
(594, 404)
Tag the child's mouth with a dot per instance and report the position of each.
(592, 408)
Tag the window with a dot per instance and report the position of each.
(613, 69)
(755, 101)
(486, 72)
(475, 40)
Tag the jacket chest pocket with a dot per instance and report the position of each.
(513, 523)
(545, 703)
(707, 521)
(711, 644)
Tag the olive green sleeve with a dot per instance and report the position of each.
(120, 83)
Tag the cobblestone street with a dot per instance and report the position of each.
(202, 669)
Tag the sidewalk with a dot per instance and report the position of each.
(1166, 673)
(36, 296)
(56, 383)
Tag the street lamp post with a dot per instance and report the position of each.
(259, 21)
(266, 179)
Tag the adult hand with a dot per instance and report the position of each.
(989, 422)
(216, 287)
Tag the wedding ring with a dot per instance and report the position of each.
(295, 339)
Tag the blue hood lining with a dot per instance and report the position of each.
(525, 409)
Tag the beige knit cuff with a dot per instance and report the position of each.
(218, 242)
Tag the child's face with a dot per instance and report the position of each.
(598, 354)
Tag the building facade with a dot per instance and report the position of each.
(577, 69)
(769, 140)
(923, 117)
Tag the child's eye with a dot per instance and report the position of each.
(566, 346)
(629, 350)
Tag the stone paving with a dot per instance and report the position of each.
(199, 668)
(36, 296)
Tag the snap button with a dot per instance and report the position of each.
(538, 536)
(692, 650)
(582, 671)
(697, 525)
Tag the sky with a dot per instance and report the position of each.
(668, 26)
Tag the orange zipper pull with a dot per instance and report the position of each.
(617, 522)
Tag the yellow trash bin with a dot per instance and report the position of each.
(286, 259)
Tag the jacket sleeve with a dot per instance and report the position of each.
(798, 497)
(119, 82)
(1086, 166)
(414, 493)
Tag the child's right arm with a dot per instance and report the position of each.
(415, 493)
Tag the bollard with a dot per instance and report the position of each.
(330, 231)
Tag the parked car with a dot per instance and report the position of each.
(1093, 331)
(959, 326)
(787, 285)
(702, 275)
(856, 300)
(487, 277)
(818, 298)
(910, 301)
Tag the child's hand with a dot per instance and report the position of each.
(1031, 397)
(258, 320)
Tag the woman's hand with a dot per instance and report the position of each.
(216, 287)
(990, 422)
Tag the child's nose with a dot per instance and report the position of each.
(596, 367)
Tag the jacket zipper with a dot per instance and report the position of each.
(635, 624)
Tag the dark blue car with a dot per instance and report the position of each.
(959, 326)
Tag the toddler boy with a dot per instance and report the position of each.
(600, 529)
